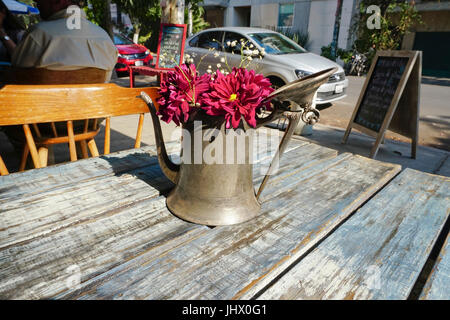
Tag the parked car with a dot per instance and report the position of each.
(285, 60)
(130, 54)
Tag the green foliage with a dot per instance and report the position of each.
(397, 18)
(344, 55)
(26, 20)
(145, 16)
(326, 52)
(297, 36)
(96, 11)
(198, 23)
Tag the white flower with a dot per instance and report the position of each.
(228, 43)
(251, 46)
(222, 60)
(234, 43)
(208, 71)
(249, 58)
(216, 54)
(209, 67)
(219, 65)
(255, 52)
(223, 71)
(187, 56)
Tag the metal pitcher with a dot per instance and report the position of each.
(222, 194)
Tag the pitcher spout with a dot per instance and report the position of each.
(169, 168)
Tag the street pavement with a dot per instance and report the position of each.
(123, 132)
(434, 124)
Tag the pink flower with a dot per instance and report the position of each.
(181, 93)
(238, 94)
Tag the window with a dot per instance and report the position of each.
(286, 15)
(229, 38)
(120, 40)
(194, 41)
(275, 43)
(211, 39)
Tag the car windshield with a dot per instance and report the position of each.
(119, 40)
(274, 43)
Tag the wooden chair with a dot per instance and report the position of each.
(69, 103)
(41, 76)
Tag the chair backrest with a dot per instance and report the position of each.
(27, 104)
(45, 76)
(30, 104)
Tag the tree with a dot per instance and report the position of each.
(27, 19)
(172, 11)
(99, 12)
(337, 24)
(397, 17)
(143, 14)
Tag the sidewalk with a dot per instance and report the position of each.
(429, 160)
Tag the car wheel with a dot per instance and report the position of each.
(122, 74)
(276, 82)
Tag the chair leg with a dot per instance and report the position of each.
(93, 148)
(3, 170)
(43, 156)
(32, 146)
(72, 148)
(23, 162)
(84, 149)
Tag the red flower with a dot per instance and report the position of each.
(238, 94)
(181, 93)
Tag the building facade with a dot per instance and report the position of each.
(315, 17)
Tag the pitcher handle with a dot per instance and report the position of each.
(293, 119)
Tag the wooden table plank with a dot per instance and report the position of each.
(36, 181)
(380, 251)
(54, 210)
(437, 286)
(37, 214)
(239, 261)
(40, 268)
(95, 224)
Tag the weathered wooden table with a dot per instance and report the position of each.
(331, 227)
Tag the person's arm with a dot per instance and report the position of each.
(4, 38)
(7, 42)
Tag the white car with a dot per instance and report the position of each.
(284, 61)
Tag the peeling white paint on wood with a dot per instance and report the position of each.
(237, 261)
(108, 218)
(380, 251)
(437, 286)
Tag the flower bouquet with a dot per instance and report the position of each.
(232, 94)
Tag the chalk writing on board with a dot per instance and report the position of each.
(380, 91)
(171, 46)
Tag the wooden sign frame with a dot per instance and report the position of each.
(402, 115)
(183, 42)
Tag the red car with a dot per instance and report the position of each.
(130, 54)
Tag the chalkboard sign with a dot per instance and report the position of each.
(171, 45)
(380, 92)
(391, 91)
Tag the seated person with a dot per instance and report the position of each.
(57, 43)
